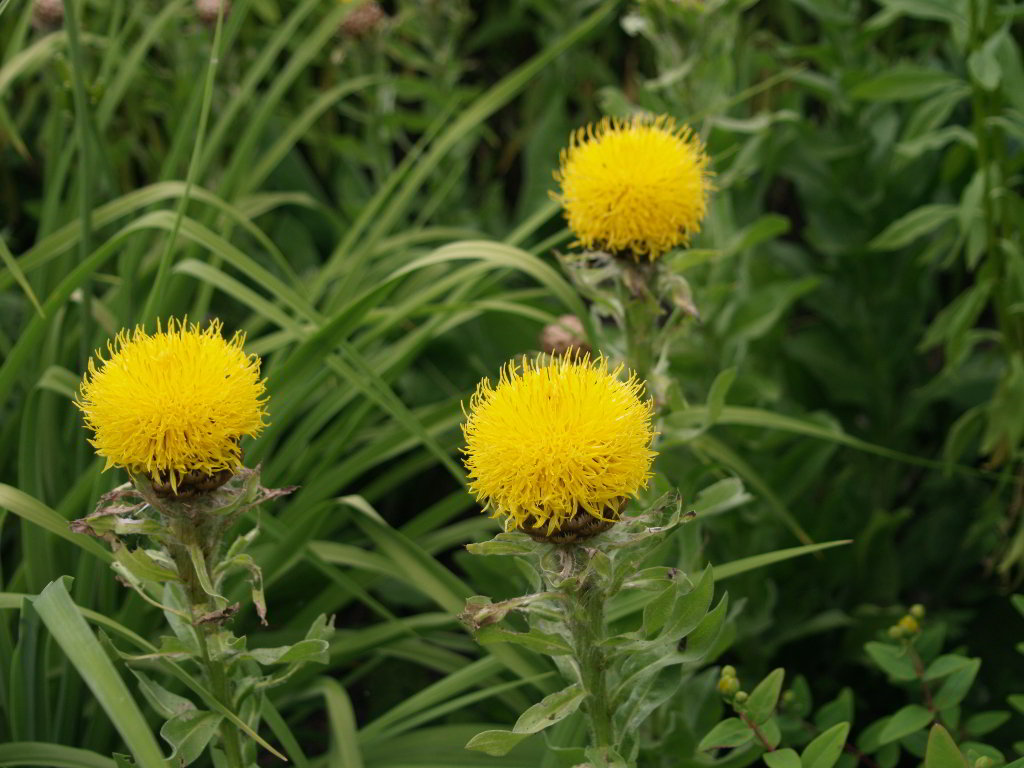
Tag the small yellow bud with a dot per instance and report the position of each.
(727, 686)
(917, 611)
(740, 697)
(909, 625)
(728, 671)
(788, 697)
(983, 762)
(895, 631)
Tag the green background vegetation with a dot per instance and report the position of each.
(374, 213)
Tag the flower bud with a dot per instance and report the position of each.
(47, 15)
(909, 625)
(788, 697)
(564, 334)
(740, 697)
(917, 611)
(364, 19)
(207, 10)
(728, 671)
(895, 631)
(983, 762)
(727, 686)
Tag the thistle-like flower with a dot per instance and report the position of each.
(558, 441)
(175, 404)
(638, 187)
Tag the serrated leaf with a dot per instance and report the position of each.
(765, 696)
(904, 722)
(894, 661)
(189, 733)
(732, 732)
(942, 751)
(781, 758)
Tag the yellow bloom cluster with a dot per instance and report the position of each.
(638, 186)
(557, 436)
(173, 402)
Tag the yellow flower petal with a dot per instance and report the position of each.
(639, 186)
(555, 437)
(174, 401)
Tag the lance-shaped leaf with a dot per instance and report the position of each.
(765, 696)
(542, 642)
(505, 544)
(189, 733)
(166, 704)
(731, 732)
(550, 710)
(141, 564)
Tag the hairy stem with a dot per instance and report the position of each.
(585, 619)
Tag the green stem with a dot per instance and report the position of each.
(585, 619)
(640, 308)
(221, 689)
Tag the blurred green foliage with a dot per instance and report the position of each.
(374, 212)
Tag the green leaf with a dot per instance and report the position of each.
(956, 685)
(904, 722)
(302, 651)
(904, 83)
(83, 650)
(945, 665)
(781, 758)
(839, 710)
(21, 753)
(1018, 602)
(37, 513)
(824, 750)
(736, 567)
(552, 708)
(495, 743)
(542, 642)
(189, 733)
(504, 544)
(985, 722)
(942, 751)
(718, 391)
(909, 227)
(165, 703)
(893, 660)
(983, 63)
(731, 732)
(763, 699)
(141, 565)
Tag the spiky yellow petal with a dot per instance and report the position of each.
(174, 401)
(557, 436)
(638, 186)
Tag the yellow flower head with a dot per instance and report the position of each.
(557, 436)
(639, 185)
(173, 402)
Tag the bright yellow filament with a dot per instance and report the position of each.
(172, 402)
(636, 186)
(557, 437)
